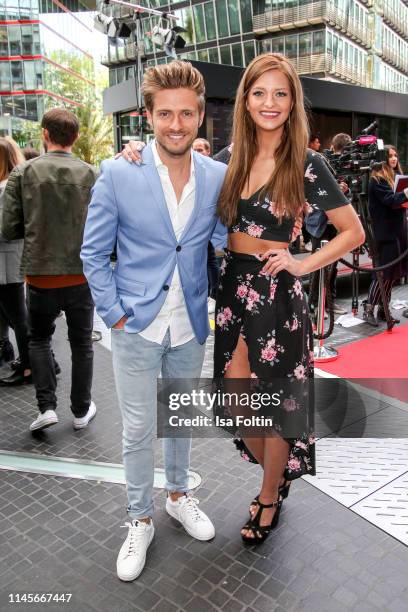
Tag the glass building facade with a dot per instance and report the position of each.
(40, 64)
(364, 42)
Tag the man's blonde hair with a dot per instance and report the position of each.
(175, 75)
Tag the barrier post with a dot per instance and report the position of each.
(322, 353)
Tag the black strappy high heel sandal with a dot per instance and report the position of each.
(261, 532)
(283, 493)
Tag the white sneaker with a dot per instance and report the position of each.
(308, 247)
(211, 306)
(81, 423)
(44, 420)
(132, 555)
(195, 522)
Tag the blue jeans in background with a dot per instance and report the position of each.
(137, 364)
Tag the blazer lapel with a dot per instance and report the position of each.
(199, 169)
(152, 177)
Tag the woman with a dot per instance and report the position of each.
(261, 308)
(263, 328)
(12, 300)
(389, 222)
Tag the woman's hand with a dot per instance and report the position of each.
(131, 152)
(280, 259)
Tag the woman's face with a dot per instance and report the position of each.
(269, 101)
(392, 158)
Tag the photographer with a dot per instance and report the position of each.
(390, 231)
(318, 225)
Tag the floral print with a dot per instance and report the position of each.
(256, 216)
(271, 315)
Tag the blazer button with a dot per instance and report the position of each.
(178, 248)
(166, 287)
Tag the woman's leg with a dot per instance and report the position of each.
(272, 453)
(15, 308)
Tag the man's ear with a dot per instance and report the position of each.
(149, 118)
(201, 118)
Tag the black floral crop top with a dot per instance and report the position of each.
(257, 217)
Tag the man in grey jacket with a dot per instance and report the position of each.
(46, 203)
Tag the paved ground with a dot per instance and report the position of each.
(61, 535)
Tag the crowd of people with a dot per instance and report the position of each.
(164, 217)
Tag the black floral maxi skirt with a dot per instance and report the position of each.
(272, 316)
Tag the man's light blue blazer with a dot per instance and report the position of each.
(128, 211)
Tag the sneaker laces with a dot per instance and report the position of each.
(189, 505)
(134, 535)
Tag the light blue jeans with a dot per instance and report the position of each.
(137, 364)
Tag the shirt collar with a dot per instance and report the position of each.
(160, 165)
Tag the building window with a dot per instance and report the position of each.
(199, 23)
(225, 54)
(5, 78)
(213, 55)
(233, 12)
(237, 54)
(210, 20)
(249, 51)
(222, 19)
(246, 15)
(17, 75)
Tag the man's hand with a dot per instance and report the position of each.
(343, 186)
(131, 152)
(121, 323)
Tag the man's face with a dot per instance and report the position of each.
(175, 119)
(200, 147)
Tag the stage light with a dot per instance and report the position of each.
(168, 39)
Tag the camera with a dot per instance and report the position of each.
(358, 158)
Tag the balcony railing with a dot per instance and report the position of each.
(324, 63)
(390, 18)
(311, 14)
(394, 58)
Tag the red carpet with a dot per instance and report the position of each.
(381, 360)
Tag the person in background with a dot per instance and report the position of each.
(53, 191)
(201, 145)
(12, 299)
(314, 142)
(30, 153)
(320, 228)
(389, 222)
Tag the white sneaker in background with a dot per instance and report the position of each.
(81, 423)
(308, 247)
(44, 420)
(132, 555)
(195, 522)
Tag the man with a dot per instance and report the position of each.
(45, 202)
(160, 214)
(201, 145)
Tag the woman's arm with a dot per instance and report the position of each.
(350, 236)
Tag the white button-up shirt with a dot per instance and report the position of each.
(173, 313)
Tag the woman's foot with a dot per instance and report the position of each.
(284, 487)
(266, 518)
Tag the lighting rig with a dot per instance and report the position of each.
(164, 35)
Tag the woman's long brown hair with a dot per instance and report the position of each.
(285, 184)
(386, 172)
(10, 156)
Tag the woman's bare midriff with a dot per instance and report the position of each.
(242, 243)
